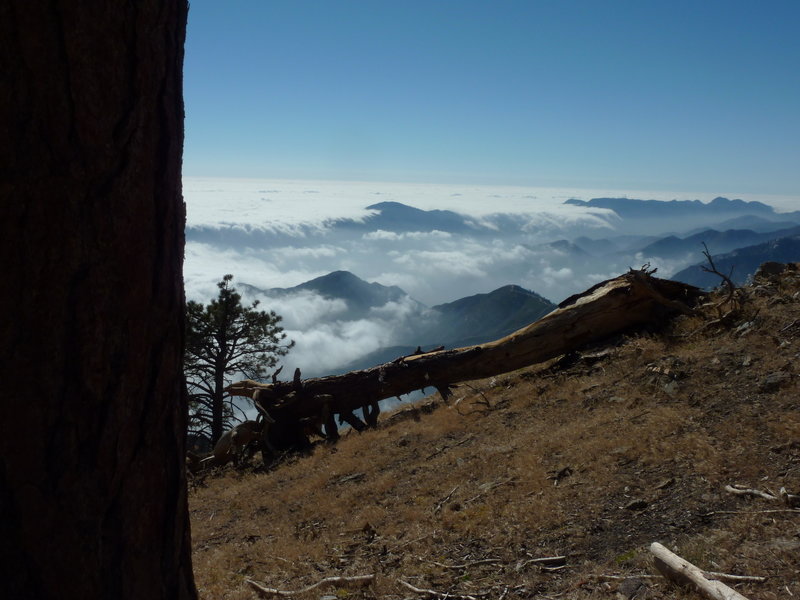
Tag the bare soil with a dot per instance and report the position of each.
(591, 457)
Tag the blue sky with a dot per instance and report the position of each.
(663, 95)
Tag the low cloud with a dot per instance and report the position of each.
(392, 236)
(328, 346)
(304, 310)
(276, 234)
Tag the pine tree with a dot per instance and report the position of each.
(226, 339)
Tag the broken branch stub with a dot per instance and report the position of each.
(632, 300)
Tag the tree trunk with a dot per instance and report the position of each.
(218, 405)
(631, 300)
(92, 419)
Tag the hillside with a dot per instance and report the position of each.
(591, 457)
(743, 262)
(484, 317)
(717, 241)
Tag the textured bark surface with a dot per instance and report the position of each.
(92, 485)
(616, 305)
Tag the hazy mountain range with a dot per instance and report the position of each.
(465, 321)
(447, 266)
(742, 262)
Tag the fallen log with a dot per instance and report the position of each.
(682, 572)
(632, 300)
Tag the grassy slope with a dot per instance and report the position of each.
(540, 462)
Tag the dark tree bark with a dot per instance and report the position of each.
(92, 419)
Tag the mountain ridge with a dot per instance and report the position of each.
(465, 321)
(742, 263)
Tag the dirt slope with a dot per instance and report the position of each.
(591, 458)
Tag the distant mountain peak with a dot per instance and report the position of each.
(338, 276)
(632, 207)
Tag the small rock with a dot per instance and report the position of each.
(637, 504)
(773, 381)
(630, 588)
(769, 268)
(666, 483)
(671, 388)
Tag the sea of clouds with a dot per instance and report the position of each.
(278, 234)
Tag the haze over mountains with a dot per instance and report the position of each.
(367, 272)
(409, 323)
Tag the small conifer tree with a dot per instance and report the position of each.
(225, 339)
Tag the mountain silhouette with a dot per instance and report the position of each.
(359, 295)
(630, 208)
(467, 321)
(718, 242)
(398, 218)
(742, 263)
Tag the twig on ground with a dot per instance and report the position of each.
(435, 594)
(708, 574)
(607, 577)
(343, 581)
(743, 491)
(734, 578)
(446, 447)
(485, 402)
(485, 561)
(489, 488)
(752, 512)
(547, 563)
(442, 502)
(409, 542)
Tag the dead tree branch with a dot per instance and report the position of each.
(435, 594)
(683, 572)
(734, 298)
(743, 491)
(357, 580)
(632, 300)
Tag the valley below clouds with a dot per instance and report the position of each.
(437, 243)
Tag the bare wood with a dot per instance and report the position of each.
(485, 561)
(790, 500)
(434, 593)
(630, 300)
(681, 571)
(734, 578)
(708, 574)
(445, 499)
(354, 580)
(752, 512)
(546, 561)
(743, 491)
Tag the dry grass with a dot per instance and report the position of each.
(594, 462)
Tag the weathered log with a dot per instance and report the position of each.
(682, 572)
(631, 300)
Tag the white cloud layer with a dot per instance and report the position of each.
(278, 234)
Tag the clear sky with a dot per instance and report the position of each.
(666, 95)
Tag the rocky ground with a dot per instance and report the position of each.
(589, 458)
